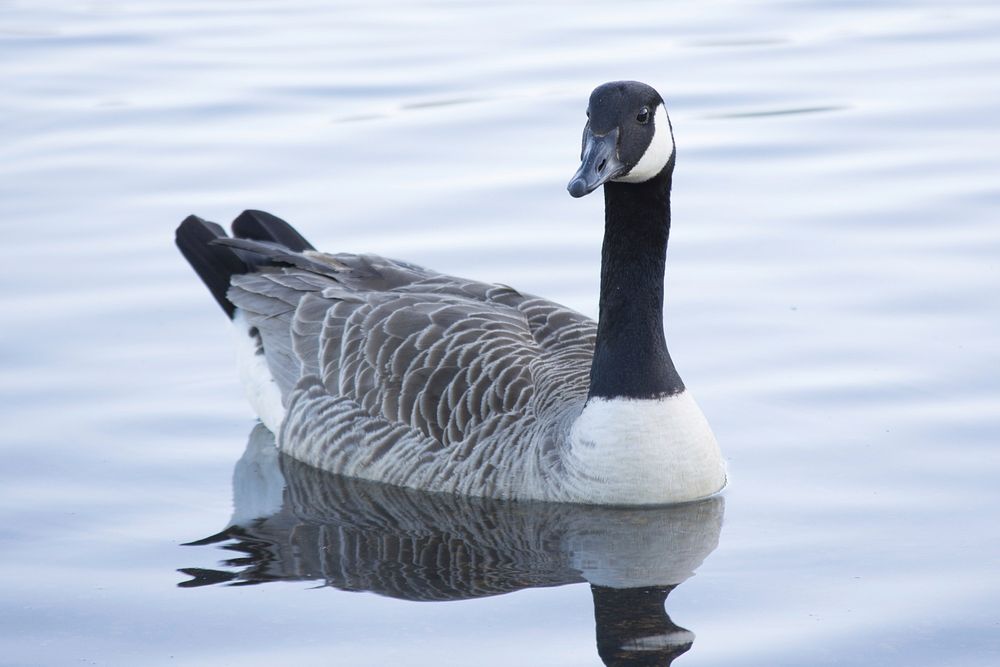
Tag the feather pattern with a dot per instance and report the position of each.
(394, 373)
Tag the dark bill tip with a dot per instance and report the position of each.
(578, 187)
(599, 163)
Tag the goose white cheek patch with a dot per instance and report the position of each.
(657, 153)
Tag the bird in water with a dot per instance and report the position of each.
(382, 370)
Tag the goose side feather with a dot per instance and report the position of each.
(395, 373)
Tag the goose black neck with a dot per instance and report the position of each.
(630, 356)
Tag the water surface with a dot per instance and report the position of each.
(832, 302)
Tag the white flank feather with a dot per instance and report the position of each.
(261, 390)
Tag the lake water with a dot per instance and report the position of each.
(832, 301)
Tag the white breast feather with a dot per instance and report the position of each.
(644, 451)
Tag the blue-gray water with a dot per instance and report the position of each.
(832, 301)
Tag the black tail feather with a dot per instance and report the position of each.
(261, 239)
(261, 226)
(213, 263)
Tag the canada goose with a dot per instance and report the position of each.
(382, 370)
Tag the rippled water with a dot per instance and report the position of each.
(832, 302)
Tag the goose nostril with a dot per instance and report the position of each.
(601, 166)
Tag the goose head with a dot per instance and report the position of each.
(627, 139)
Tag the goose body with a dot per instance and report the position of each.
(383, 370)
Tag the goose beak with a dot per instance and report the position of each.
(600, 163)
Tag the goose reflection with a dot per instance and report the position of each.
(293, 522)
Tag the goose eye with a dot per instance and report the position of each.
(643, 116)
(588, 113)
